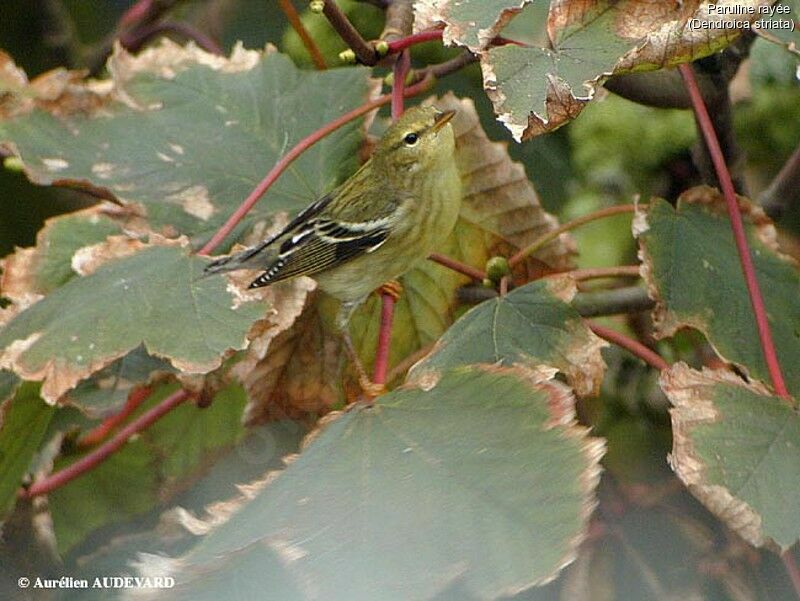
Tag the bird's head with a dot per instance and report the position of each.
(418, 140)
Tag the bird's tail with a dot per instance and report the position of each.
(255, 257)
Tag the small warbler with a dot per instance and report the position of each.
(374, 227)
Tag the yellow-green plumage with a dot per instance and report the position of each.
(375, 226)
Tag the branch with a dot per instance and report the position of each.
(364, 51)
(631, 299)
(764, 332)
(553, 234)
(467, 270)
(294, 20)
(101, 453)
(295, 152)
(594, 273)
(629, 344)
(399, 20)
(784, 189)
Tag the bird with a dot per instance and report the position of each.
(391, 213)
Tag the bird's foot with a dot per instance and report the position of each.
(371, 389)
(393, 288)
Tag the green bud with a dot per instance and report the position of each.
(487, 283)
(496, 268)
(411, 77)
(382, 47)
(13, 164)
(348, 57)
(316, 6)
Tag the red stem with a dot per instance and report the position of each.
(467, 270)
(417, 38)
(401, 67)
(724, 176)
(634, 346)
(101, 453)
(430, 35)
(295, 152)
(384, 339)
(98, 434)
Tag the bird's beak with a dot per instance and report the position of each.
(441, 119)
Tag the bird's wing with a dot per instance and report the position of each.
(326, 234)
(319, 244)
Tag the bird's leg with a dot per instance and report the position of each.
(371, 390)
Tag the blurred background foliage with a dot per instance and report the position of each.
(615, 151)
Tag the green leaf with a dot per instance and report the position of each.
(535, 90)
(737, 448)
(30, 272)
(106, 391)
(781, 27)
(123, 486)
(188, 438)
(532, 326)
(470, 23)
(484, 475)
(23, 422)
(694, 275)
(162, 461)
(153, 297)
(207, 131)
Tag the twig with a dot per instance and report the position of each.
(365, 52)
(634, 346)
(135, 40)
(467, 270)
(784, 189)
(764, 332)
(553, 234)
(294, 20)
(295, 152)
(594, 273)
(98, 434)
(630, 299)
(101, 453)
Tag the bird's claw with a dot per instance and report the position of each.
(393, 288)
(371, 389)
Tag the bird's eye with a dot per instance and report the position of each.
(411, 139)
